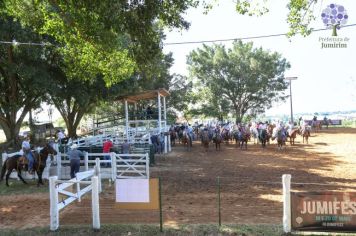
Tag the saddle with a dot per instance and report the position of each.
(23, 160)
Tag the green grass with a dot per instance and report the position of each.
(153, 230)
(17, 187)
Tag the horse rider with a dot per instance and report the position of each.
(290, 127)
(189, 131)
(26, 148)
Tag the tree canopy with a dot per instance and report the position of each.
(108, 37)
(242, 79)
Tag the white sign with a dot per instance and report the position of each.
(132, 190)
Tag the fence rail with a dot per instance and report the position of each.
(57, 187)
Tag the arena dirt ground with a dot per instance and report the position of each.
(250, 184)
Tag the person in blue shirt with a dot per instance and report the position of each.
(74, 156)
(26, 148)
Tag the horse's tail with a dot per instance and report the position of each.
(3, 171)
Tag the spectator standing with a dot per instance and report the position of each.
(60, 136)
(125, 149)
(106, 149)
(74, 156)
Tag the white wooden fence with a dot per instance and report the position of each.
(57, 187)
(121, 165)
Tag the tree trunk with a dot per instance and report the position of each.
(72, 129)
(11, 129)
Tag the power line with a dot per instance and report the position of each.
(244, 38)
(15, 43)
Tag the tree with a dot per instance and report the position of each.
(242, 78)
(23, 76)
(109, 37)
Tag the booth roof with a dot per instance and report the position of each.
(146, 95)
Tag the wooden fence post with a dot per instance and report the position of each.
(169, 143)
(54, 212)
(95, 202)
(97, 170)
(113, 166)
(147, 165)
(86, 163)
(59, 165)
(286, 203)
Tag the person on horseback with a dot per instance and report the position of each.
(290, 127)
(26, 148)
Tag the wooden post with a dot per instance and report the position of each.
(54, 212)
(127, 120)
(159, 113)
(219, 202)
(59, 165)
(286, 203)
(86, 161)
(147, 165)
(97, 170)
(113, 166)
(95, 202)
(169, 143)
(160, 205)
(165, 144)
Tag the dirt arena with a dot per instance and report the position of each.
(250, 184)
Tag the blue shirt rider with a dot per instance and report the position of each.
(26, 148)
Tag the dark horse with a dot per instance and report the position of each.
(217, 139)
(173, 135)
(241, 138)
(17, 163)
(263, 137)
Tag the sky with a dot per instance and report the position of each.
(326, 76)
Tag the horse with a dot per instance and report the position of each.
(187, 140)
(225, 135)
(292, 136)
(243, 138)
(173, 135)
(205, 139)
(17, 162)
(305, 132)
(217, 139)
(263, 137)
(281, 138)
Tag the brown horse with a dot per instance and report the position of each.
(292, 136)
(187, 140)
(205, 139)
(17, 163)
(173, 135)
(305, 133)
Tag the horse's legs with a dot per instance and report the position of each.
(8, 173)
(39, 174)
(20, 176)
